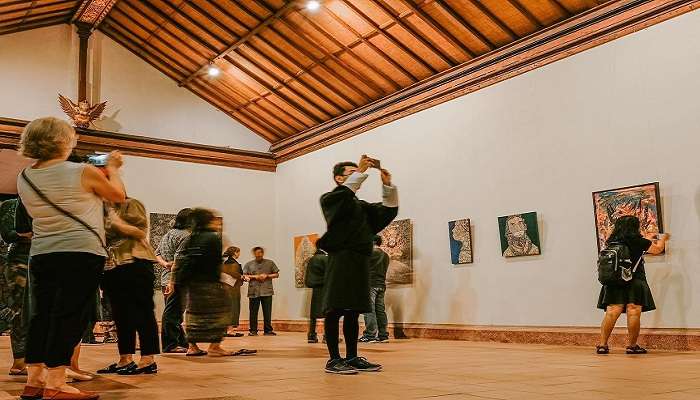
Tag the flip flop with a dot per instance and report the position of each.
(18, 372)
(197, 353)
(245, 352)
(221, 354)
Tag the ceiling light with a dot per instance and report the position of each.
(313, 5)
(213, 71)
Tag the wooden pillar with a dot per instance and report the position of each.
(84, 32)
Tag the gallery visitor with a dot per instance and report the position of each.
(635, 297)
(351, 227)
(314, 277)
(376, 321)
(233, 279)
(260, 272)
(68, 248)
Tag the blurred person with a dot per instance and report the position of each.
(313, 278)
(173, 338)
(65, 202)
(128, 284)
(234, 281)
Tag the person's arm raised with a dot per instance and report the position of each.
(658, 246)
(110, 187)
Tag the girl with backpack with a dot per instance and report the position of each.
(633, 297)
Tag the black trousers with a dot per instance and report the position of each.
(351, 331)
(172, 333)
(254, 304)
(65, 285)
(130, 291)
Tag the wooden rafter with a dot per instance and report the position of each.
(93, 12)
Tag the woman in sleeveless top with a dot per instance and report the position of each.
(67, 258)
(635, 297)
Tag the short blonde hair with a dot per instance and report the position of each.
(46, 138)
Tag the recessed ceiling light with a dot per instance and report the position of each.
(313, 5)
(213, 71)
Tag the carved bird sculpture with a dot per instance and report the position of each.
(82, 113)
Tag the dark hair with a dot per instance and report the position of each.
(626, 227)
(256, 248)
(200, 219)
(231, 251)
(378, 240)
(339, 169)
(182, 220)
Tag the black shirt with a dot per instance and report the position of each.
(638, 246)
(201, 261)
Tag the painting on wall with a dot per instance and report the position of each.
(397, 242)
(159, 224)
(520, 235)
(461, 241)
(642, 201)
(304, 249)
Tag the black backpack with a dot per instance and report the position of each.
(615, 265)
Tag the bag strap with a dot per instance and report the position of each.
(637, 264)
(62, 210)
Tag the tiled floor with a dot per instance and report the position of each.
(287, 368)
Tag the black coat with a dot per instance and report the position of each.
(314, 278)
(352, 224)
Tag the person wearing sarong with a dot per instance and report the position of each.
(197, 272)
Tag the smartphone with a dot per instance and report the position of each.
(98, 160)
(375, 163)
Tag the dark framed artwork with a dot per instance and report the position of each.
(642, 201)
(520, 235)
(460, 232)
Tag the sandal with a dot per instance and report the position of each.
(245, 352)
(221, 353)
(18, 372)
(636, 349)
(198, 353)
(602, 349)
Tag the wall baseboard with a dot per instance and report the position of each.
(660, 339)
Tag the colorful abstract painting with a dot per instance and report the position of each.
(397, 242)
(461, 242)
(304, 249)
(642, 201)
(520, 235)
(159, 224)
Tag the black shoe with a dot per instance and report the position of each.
(383, 340)
(114, 368)
(270, 334)
(339, 367)
(636, 349)
(313, 339)
(602, 349)
(252, 333)
(362, 365)
(366, 339)
(148, 370)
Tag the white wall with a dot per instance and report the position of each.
(36, 65)
(621, 114)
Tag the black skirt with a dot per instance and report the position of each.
(637, 292)
(207, 312)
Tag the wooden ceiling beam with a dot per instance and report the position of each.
(493, 18)
(39, 7)
(6, 30)
(238, 43)
(444, 33)
(371, 45)
(349, 50)
(314, 63)
(141, 146)
(398, 19)
(611, 20)
(525, 13)
(33, 17)
(466, 25)
(560, 7)
(16, 2)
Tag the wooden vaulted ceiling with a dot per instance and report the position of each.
(19, 15)
(286, 69)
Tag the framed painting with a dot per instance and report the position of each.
(460, 232)
(397, 242)
(304, 249)
(520, 235)
(642, 201)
